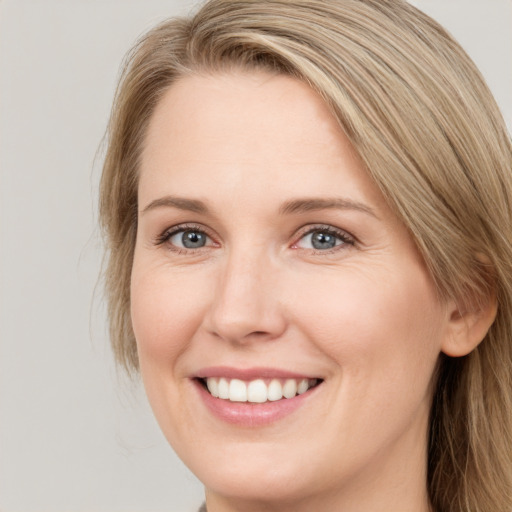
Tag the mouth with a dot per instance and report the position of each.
(258, 390)
(254, 397)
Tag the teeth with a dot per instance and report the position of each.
(290, 388)
(257, 391)
(223, 389)
(213, 387)
(302, 387)
(237, 391)
(275, 391)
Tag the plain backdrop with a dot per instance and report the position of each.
(74, 434)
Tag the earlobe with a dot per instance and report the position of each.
(468, 327)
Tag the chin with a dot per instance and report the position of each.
(260, 474)
(256, 484)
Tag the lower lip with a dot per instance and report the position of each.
(246, 414)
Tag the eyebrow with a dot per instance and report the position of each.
(289, 207)
(314, 204)
(181, 203)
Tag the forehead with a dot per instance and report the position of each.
(255, 105)
(243, 128)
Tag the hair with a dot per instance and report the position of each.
(420, 116)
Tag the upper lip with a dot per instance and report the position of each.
(248, 374)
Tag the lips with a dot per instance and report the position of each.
(254, 397)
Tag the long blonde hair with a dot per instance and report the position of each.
(422, 119)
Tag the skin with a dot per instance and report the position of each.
(364, 316)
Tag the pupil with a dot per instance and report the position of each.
(322, 240)
(193, 239)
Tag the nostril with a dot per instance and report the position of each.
(244, 321)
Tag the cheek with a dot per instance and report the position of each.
(381, 331)
(166, 310)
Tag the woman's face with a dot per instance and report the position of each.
(267, 260)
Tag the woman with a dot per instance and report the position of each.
(307, 207)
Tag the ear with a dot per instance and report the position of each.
(468, 326)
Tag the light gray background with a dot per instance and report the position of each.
(74, 435)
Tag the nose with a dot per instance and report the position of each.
(246, 303)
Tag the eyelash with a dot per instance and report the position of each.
(345, 238)
(169, 233)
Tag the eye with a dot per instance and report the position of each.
(324, 239)
(184, 238)
(189, 239)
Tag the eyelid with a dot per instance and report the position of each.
(347, 238)
(169, 232)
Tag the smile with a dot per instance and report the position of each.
(257, 390)
(254, 397)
